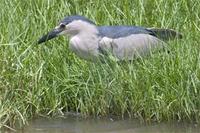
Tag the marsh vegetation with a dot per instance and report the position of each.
(49, 80)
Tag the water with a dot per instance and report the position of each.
(108, 125)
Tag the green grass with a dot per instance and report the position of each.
(49, 79)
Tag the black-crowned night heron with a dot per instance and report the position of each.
(89, 41)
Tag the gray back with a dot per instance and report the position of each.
(122, 31)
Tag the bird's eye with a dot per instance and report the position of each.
(62, 25)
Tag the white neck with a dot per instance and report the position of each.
(85, 43)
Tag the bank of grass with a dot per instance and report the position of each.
(49, 79)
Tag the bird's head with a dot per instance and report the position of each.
(71, 26)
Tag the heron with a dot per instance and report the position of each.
(124, 42)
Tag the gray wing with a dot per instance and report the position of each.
(125, 35)
(128, 42)
(129, 47)
(122, 31)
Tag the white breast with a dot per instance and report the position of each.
(85, 46)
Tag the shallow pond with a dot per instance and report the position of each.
(77, 125)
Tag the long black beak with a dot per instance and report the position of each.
(52, 34)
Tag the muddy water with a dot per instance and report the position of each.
(77, 125)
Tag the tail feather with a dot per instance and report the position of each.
(166, 34)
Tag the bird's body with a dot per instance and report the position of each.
(128, 48)
(89, 41)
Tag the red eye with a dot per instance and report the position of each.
(62, 25)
